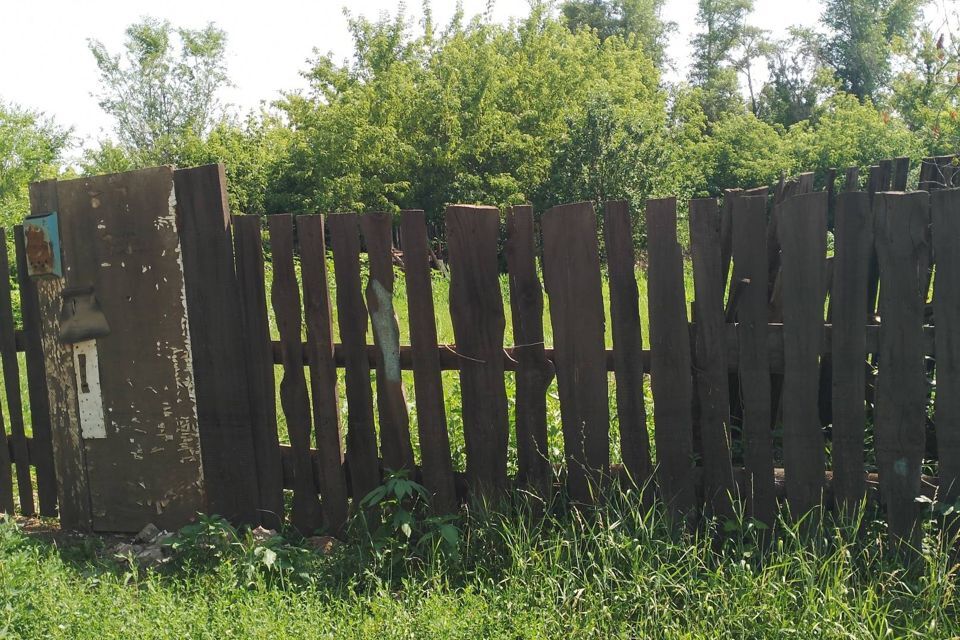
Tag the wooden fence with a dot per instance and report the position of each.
(782, 336)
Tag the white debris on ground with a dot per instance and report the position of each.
(150, 547)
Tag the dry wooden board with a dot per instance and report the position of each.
(119, 234)
(257, 352)
(362, 458)
(571, 270)
(627, 341)
(41, 452)
(73, 489)
(395, 447)
(476, 309)
(710, 357)
(901, 239)
(219, 368)
(803, 242)
(726, 233)
(437, 466)
(945, 211)
(670, 377)
(305, 512)
(853, 246)
(901, 171)
(11, 385)
(323, 372)
(750, 263)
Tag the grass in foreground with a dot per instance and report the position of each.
(613, 572)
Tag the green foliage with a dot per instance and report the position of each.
(716, 47)
(625, 18)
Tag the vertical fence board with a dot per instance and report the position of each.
(220, 378)
(571, 266)
(852, 180)
(395, 447)
(361, 453)
(42, 450)
(627, 340)
(306, 515)
(476, 309)
(945, 211)
(323, 371)
(670, 365)
(750, 263)
(853, 243)
(901, 240)
(803, 241)
(427, 380)
(901, 171)
(534, 371)
(710, 357)
(11, 384)
(257, 351)
(726, 233)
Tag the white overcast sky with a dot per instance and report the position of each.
(45, 63)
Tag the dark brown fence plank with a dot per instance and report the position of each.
(627, 340)
(73, 489)
(41, 451)
(395, 448)
(853, 245)
(710, 357)
(945, 210)
(437, 467)
(901, 171)
(257, 352)
(726, 233)
(901, 241)
(670, 377)
(305, 514)
(323, 371)
(852, 180)
(362, 458)
(803, 242)
(11, 384)
(571, 269)
(216, 328)
(476, 308)
(534, 371)
(750, 263)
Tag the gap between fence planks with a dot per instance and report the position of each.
(323, 371)
(534, 370)
(627, 341)
(305, 514)
(476, 309)
(437, 467)
(571, 269)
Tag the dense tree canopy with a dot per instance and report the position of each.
(570, 102)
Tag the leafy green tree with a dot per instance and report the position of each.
(163, 88)
(32, 148)
(744, 151)
(715, 48)
(624, 18)
(862, 38)
(797, 80)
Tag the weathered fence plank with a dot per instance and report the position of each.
(901, 239)
(219, 368)
(534, 371)
(395, 448)
(323, 371)
(710, 357)
(285, 296)
(627, 341)
(11, 384)
(670, 376)
(853, 246)
(362, 458)
(42, 450)
(476, 309)
(437, 467)
(803, 242)
(945, 211)
(750, 263)
(257, 352)
(571, 268)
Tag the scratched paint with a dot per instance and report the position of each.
(385, 328)
(86, 365)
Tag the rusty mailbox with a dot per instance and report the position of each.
(107, 263)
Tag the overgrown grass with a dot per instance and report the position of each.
(614, 572)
